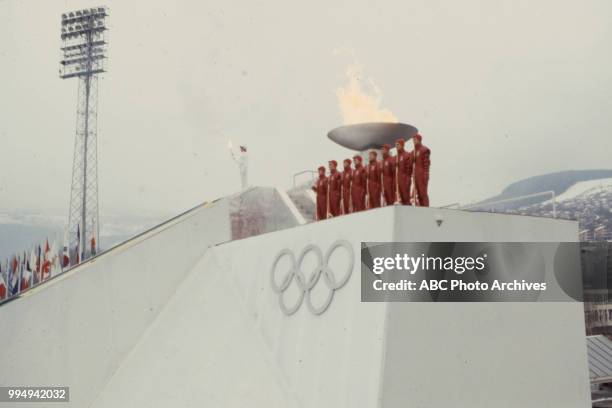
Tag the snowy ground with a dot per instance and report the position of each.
(585, 188)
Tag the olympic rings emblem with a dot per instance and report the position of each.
(307, 283)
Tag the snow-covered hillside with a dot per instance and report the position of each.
(586, 188)
(589, 202)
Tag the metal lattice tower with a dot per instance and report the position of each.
(83, 56)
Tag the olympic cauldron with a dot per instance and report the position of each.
(372, 135)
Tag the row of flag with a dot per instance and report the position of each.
(20, 272)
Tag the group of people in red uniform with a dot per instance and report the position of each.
(402, 179)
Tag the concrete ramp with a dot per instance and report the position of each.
(76, 329)
(203, 350)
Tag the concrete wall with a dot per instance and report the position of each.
(419, 224)
(485, 354)
(201, 351)
(223, 340)
(331, 360)
(76, 329)
(164, 321)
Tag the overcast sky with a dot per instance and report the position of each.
(500, 90)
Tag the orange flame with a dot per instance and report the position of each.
(358, 104)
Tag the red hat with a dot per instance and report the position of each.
(348, 161)
(386, 146)
(357, 156)
(335, 163)
(400, 142)
(321, 168)
(418, 137)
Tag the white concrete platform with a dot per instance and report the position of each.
(217, 337)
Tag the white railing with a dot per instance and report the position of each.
(453, 205)
(11, 296)
(297, 215)
(508, 200)
(296, 175)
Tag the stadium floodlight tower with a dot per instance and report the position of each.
(83, 57)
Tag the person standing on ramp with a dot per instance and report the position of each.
(321, 188)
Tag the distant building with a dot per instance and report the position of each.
(597, 281)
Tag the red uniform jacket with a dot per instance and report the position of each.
(335, 193)
(422, 162)
(358, 188)
(321, 189)
(347, 178)
(404, 175)
(389, 182)
(374, 183)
